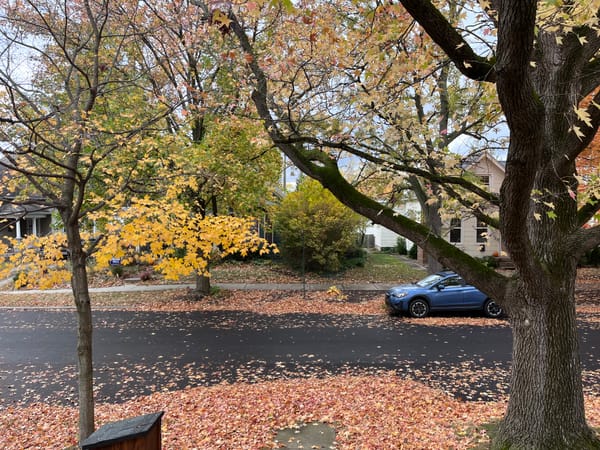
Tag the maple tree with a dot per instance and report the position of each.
(188, 64)
(167, 234)
(74, 134)
(541, 58)
(452, 121)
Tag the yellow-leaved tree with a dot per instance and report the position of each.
(176, 241)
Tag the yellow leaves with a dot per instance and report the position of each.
(583, 115)
(220, 18)
(36, 262)
(575, 129)
(485, 4)
(554, 16)
(180, 244)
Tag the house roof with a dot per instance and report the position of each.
(476, 158)
(10, 210)
(13, 211)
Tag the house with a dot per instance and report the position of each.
(466, 232)
(20, 220)
(381, 238)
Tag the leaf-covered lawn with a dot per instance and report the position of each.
(378, 268)
(375, 412)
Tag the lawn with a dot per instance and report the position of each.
(378, 268)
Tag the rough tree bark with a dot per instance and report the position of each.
(202, 285)
(546, 406)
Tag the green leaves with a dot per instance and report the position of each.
(315, 227)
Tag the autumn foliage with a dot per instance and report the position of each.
(177, 243)
(316, 229)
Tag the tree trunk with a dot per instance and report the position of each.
(202, 285)
(546, 371)
(79, 283)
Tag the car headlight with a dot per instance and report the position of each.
(399, 294)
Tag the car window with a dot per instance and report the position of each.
(429, 280)
(454, 281)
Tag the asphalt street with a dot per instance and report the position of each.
(137, 353)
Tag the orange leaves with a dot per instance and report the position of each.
(383, 411)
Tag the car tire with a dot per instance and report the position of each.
(492, 309)
(418, 308)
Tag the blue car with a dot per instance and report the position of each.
(442, 291)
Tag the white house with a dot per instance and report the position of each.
(18, 221)
(382, 238)
(467, 233)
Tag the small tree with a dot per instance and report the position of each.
(315, 228)
(413, 252)
(76, 127)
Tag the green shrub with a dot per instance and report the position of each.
(117, 271)
(317, 231)
(356, 257)
(401, 246)
(489, 261)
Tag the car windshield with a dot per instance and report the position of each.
(429, 280)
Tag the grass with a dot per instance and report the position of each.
(378, 268)
(385, 268)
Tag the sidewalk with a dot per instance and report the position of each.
(228, 286)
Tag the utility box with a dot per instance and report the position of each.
(137, 433)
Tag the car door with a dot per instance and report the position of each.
(473, 297)
(450, 294)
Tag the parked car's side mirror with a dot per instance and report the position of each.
(440, 287)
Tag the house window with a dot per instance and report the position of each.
(481, 232)
(455, 230)
(485, 180)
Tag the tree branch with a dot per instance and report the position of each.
(587, 211)
(326, 171)
(446, 36)
(586, 239)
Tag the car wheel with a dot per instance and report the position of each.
(418, 308)
(492, 309)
